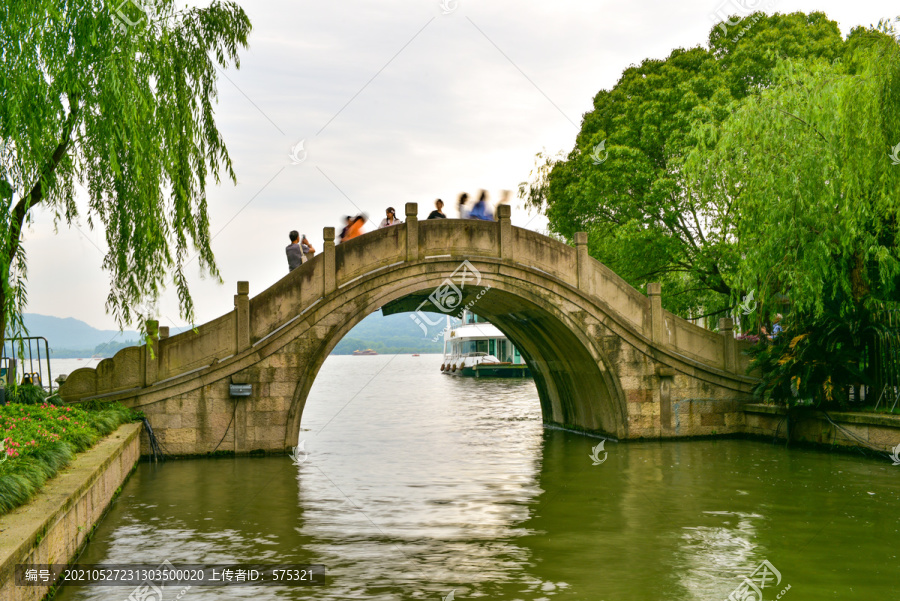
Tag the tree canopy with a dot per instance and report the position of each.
(114, 105)
(644, 219)
(806, 165)
(767, 164)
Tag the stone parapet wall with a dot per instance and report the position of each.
(878, 431)
(52, 527)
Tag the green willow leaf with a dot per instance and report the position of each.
(122, 106)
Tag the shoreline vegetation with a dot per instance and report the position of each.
(40, 439)
(807, 257)
(102, 350)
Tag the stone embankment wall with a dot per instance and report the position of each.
(865, 430)
(52, 528)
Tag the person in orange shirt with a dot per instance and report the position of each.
(355, 227)
(347, 221)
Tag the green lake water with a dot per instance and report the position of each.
(418, 484)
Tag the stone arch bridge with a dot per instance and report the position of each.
(606, 358)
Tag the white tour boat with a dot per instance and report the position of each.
(478, 349)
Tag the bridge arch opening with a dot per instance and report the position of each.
(575, 384)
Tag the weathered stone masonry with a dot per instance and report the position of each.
(605, 358)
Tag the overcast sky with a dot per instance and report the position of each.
(395, 102)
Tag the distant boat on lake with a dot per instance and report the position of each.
(368, 351)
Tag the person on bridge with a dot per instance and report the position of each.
(776, 327)
(390, 218)
(347, 221)
(354, 229)
(294, 251)
(438, 212)
(307, 248)
(463, 209)
(481, 210)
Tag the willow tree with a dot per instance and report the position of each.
(810, 166)
(110, 107)
(624, 181)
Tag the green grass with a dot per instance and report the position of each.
(25, 394)
(40, 440)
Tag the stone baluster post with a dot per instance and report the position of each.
(163, 334)
(242, 317)
(412, 232)
(657, 323)
(581, 254)
(504, 212)
(330, 282)
(151, 353)
(726, 329)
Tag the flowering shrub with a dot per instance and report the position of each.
(36, 441)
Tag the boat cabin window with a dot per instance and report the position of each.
(474, 346)
(472, 318)
(504, 351)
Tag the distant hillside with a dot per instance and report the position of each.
(70, 334)
(389, 334)
(70, 337)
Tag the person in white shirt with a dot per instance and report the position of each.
(463, 209)
(390, 219)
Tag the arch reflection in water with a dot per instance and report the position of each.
(419, 484)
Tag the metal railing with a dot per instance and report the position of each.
(885, 360)
(21, 362)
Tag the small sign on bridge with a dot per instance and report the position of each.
(241, 390)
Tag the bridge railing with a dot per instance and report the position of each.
(458, 238)
(599, 281)
(288, 296)
(193, 349)
(546, 254)
(364, 254)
